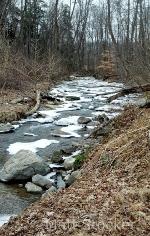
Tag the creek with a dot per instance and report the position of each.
(57, 127)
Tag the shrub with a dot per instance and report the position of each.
(80, 159)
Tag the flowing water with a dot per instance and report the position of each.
(57, 128)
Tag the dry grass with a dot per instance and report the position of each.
(138, 67)
(21, 77)
(107, 67)
(110, 198)
(20, 73)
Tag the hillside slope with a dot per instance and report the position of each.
(112, 195)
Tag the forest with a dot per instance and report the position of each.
(45, 39)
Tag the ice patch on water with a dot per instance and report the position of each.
(70, 120)
(108, 114)
(91, 107)
(83, 99)
(5, 218)
(39, 120)
(90, 127)
(31, 146)
(69, 106)
(109, 107)
(49, 116)
(16, 126)
(55, 166)
(30, 134)
(71, 130)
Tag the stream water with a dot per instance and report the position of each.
(56, 128)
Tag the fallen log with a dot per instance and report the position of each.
(37, 105)
(127, 91)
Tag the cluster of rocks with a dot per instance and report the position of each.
(103, 128)
(50, 176)
(42, 177)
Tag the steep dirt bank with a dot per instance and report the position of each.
(112, 195)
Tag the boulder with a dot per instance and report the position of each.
(41, 181)
(32, 188)
(22, 166)
(6, 128)
(68, 163)
(60, 182)
(83, 120)
(72, 177)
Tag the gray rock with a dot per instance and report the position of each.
(101, 131)
(102, 119)
(141, 102)
(51, 190)
(72, 98)
(22, 166)
(32, 188)
(69, 150)
(41, 181)
(72, 177)
(57, 157)
(6, 128)
(38, 115)
(60, 182)
(68, 163)
(60, 133)
(83, 120)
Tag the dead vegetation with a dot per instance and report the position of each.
(22, 77)
(19, 73)
(112, 195)
(107, 67)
